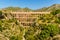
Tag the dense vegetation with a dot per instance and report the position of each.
(10, 29)
(45, 27)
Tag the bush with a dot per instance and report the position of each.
(55, 12)
(1, 16)
(0, 12)
(48, 31)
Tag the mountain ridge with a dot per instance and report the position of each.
(44, 9)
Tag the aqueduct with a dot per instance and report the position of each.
(27, 18)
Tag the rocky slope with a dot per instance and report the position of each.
(53, 7)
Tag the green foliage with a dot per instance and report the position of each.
(1, 16)
(13, 38)
(57, 20)
(55, 12)
(0, 12)
(48, 31)
(10, 29)
(29, 34)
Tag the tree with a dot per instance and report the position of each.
(1, 16)
(55, 12)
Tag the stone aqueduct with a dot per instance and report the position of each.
(27, 18)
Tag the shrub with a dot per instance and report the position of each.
(47, 31)
(55, 12)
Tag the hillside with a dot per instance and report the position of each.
(17, 9)
(50, 8)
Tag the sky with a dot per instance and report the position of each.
(32, 4)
